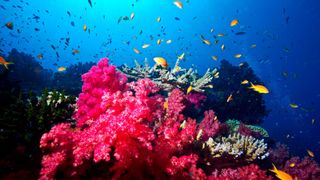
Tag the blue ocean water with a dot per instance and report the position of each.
(286, 34)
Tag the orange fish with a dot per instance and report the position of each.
(9, 25)
(281, 174)
(40, 56)
(234, 22)
(310, 153)
(207, 42)
(214, 58)
(178, 3)
(4, 62)
(237, 56)
(60, 69)
(229, 98)
(136, 50)
(75, 51)
(161, 61)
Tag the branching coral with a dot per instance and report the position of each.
(168, 79)
(238, 146)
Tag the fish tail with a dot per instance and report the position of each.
(252, 85)
(274, 168)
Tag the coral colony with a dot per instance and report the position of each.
(139, 128)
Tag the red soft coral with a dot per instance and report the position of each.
(249, 172)
(210, 125)
(99, 80)
(305, 168)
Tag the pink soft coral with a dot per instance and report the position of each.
(249, 172)
(210, 125)
(101, 79)
(122, 126)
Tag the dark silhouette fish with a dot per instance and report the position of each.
(240, 33)
(90, 3)
(177, 19)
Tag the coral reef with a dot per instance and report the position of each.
(168, 79)
(247, 106)
(131, 129)
(238, 146)
(305, 168)
(251, 130)
(124, 132)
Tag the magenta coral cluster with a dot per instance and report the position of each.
(305, 168)
(124, 127)
(249, 172)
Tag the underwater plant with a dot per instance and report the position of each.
(23, 119)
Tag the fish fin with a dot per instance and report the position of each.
(274, 168)
(252, 85)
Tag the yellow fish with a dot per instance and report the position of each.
(292, 164)
(199, 134)
(237, 56)
(158, 19)
(214, 58)
(145, 46)
(85, 28)
(60, 69)
(159, 41)
(136, 50)
(178, 4)
(165, 104)
(234, 22)
(245, 82)
(259, 88)
(161, 61)
(253, 46)
(189, 89)
(281, 174)
(220, 35)
(4, 62)
(181, 56)
(310, 153)
(294, 106)
(223, 47)
(207, 42)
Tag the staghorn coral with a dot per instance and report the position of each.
(168, 79)
(234, 126)
(238, 146)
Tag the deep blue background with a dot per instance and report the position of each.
(292, 47)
